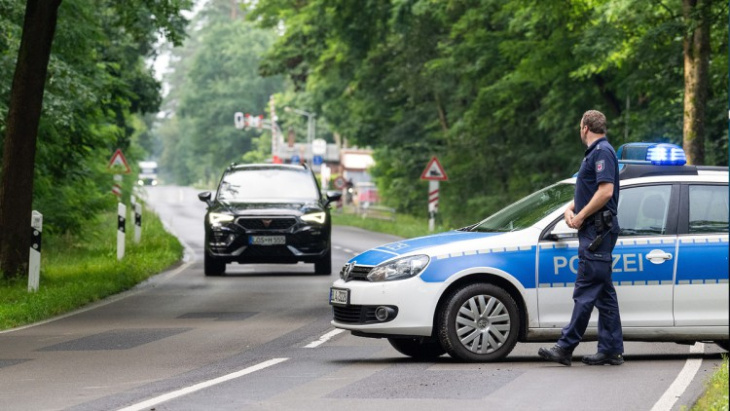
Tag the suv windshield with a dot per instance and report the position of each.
(529, 210)
(267, 184)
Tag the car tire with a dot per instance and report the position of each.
(420, 348)
(324, 265)
(212, 266)
(724, 344)
(478, 323)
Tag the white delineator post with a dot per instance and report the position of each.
(137, 222)
(121, 223)
(34, 263)
(433, 203)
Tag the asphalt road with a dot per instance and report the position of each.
(260, 339)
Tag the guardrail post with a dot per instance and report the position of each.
(34, 263)
(121, 224)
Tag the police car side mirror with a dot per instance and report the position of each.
(562, 231)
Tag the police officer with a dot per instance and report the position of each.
(593, 213)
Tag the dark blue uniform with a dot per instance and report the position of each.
(594, 286)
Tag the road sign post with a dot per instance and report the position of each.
(433, 173)
(137, 222)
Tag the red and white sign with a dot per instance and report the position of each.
(340, 182)
(117, 190)
(434, 171)
(118, 164)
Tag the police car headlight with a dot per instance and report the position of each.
(399, 269)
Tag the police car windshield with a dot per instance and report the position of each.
(529, 210)
(263, 185)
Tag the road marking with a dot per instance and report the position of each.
(197, 387)
(347, 250)
(323, 339)
(682, 381)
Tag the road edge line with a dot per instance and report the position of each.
(683, 380)
(197, 387)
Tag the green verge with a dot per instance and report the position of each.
(404, 225)
(716, 396)
(78, 270)
(714, 399)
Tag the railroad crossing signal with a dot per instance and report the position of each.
(434, 171)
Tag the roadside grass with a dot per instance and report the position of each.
(77, 270)
(714, 399)
(404, 225)
(716, 396)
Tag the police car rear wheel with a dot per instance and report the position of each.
(479, 322)
(418, 348)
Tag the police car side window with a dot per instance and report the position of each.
(643, 210)
(708, 209)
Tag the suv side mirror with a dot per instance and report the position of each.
(205, 197)
(333, 196)
(561, 231)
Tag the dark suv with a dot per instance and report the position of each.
(270, 214)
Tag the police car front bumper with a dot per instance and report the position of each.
(412, 304)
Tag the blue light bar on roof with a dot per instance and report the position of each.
(666, 155)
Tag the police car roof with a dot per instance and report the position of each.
(628, 169)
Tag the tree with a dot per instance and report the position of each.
(133, 22)
(696, 48)
(26, 97)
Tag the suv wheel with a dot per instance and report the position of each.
(213, 266)
(478, 322)
(724, 344)
(324, 266)
(420, 348)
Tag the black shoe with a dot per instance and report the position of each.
(557, 354)
(601, 358)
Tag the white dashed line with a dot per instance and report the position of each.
(323, 339)
(682, 381)
(146, 405)
(347, 250)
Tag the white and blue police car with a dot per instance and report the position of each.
(475, 292)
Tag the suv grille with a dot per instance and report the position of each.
(266, 223)
(358, 273)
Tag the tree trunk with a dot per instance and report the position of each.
(696, 47)
(26, 99)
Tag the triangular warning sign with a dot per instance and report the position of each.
(434, 171)
(118, 164)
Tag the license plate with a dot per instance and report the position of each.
(267, 240)
(339, 296)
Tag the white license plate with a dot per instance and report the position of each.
(339, 296)
(267, 240)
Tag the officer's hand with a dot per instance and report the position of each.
(577, 221)
(569, 217)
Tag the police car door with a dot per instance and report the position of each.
(701, 291)
(643, 262)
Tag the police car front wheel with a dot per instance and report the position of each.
(478, 322)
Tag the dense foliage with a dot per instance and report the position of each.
(495, 88)
(214, 75)
(97, 90)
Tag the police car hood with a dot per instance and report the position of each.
(443, 244)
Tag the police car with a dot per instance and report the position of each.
(475, 292)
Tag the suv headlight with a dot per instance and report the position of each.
(317, 217)
(399, 269)
(218, 218)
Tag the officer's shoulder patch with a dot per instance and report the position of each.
(600, 165)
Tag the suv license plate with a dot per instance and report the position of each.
(339, 296)
(267, 240)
